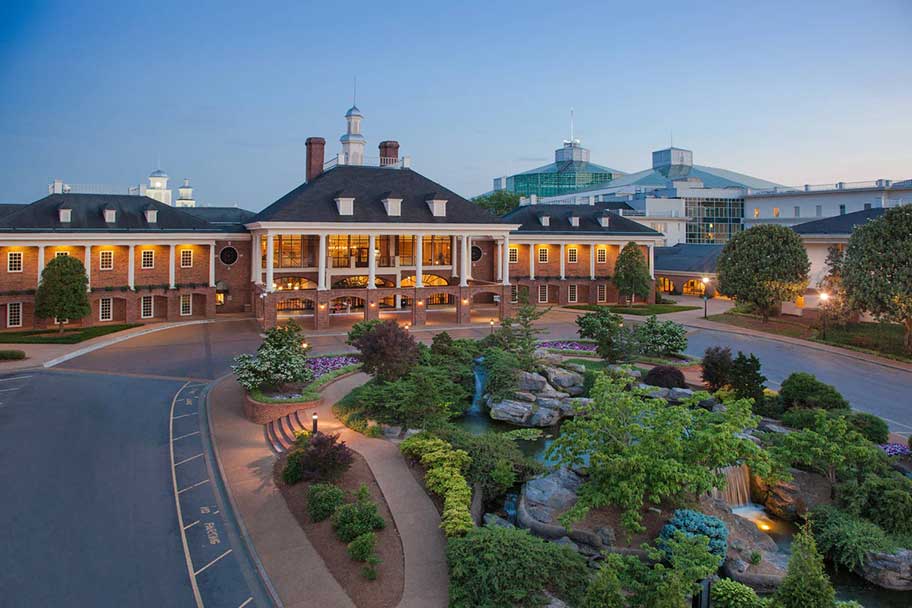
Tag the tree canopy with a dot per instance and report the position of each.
(764, 266)
(499, 202)
(877, 270)
(631, 272)
(62, 293)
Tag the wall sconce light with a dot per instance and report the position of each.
(465, 301)
(322, 306)
(373, 304)
(420, 302)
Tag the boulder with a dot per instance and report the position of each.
(550, 391)
(606, 535)
(772, 426)
(544, 416)
(555, 491)
(677, 395)
(494, 520)
(565, 540)
(888, 570)
(576, 367)
(511, 410)
(562, 378)
(791, 500)
(549, 402)
(544, 357)
(570, 405)
(656, 392)
(524, 396)
(554, 601)
(633, 373)
(531, 381)
(710, 403)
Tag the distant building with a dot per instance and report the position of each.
(158, 187)
(185, 195)
(570, 171)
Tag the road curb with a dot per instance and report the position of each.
(238, 520)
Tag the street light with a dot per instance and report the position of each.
(492, 326)
(824, 298)
(705, 296)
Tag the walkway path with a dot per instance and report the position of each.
(295, 568)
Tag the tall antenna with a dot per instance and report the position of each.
(355, 91)
(571, 125)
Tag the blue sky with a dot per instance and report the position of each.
(226, 93)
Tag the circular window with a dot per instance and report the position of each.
(228, 256)
(476, 253)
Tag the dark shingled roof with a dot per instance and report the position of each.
(226, 218)
(687, 257)
(528, 218)
(7, 208)
(839, 224)
(88, 215)
(315, 200)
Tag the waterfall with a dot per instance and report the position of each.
(737, 486)
(481, 378)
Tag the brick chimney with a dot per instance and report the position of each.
(315, 147)
(389, 152)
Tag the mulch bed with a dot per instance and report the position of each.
(386, 590)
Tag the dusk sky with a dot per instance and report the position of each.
(226, 93)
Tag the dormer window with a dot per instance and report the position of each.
(545, 220)
(110, 216)
(393, 206)
(605, 221)
(345, 205)
(574, 221)
(66, 215)
(437, 207)
(151, 216)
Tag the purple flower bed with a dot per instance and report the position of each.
(895, 449)
(324, 365)
(568, 345)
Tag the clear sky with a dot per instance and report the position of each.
(226, 93)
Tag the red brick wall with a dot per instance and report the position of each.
(17, 281)
(237, 276)
(151, 276)
(198, 273)
(484, 269)
(118, 276)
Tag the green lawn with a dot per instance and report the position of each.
(643, 310)
(69, 336)
(879, 338)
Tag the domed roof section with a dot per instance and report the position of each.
(353, 111)
(158, 173)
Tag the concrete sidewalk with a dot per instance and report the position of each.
(294, 566)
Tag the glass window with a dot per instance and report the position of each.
(514, 294)
(867, 206)
(105, 309)
(601, 255)
(842, 209)
(775, 211)
(756, 212)
(819, 210)
(797, 211)
(514, 255)
(106, 260)
(542, 293)
(148, 258)
(228, 256)
(14, 314)
(602, 292)
(61, 254)
(572, 255)
(543, 255)
(186, 305)
(435, 250)
(147, 307)
(571, 293)
(14, 261)
(186, 258)
(407, 250)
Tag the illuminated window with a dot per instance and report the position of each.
(186, 305)
(186, 258)
(220, 298)
(147, 307)
(61, 254)
(14, 261)
(775, 211)
(514, 255)
(105, 309)
(542, 294)
(148, 258)
(14, 314)
(543, 255)
(756, 212)
(572, 255)
(106, 260)
(601, 256)
(602, 293)
(514, 294)
(571, 294)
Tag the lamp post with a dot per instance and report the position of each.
(314, 423)
(705, 297)
(824, 298)
(492, 326)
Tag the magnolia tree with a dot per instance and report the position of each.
(877, 270)
(63, 292)
(280, 359)
(764, 266)
(631, 272)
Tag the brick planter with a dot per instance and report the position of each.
(262, 413)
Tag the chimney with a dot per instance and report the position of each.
(389, 153)
(315, 147)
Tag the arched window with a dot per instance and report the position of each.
(360, 281)
(293, 283)
(429, 280)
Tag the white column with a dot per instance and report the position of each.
(592, 261)
(255, 259)
(419, 262)
(40, 262)
(563, 255)
(88, 267)
(171, 266)
(454, 247)
(652, 272)
(270, 249)
(497, 261)
(464, 262)
(398, 285)
(371, 262)
(212, 264)
(505, 260)
(468, 266)
(532, 254)
(131, 268)
(321, 264)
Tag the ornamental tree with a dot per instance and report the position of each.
(877, 271)
(387, 351)
(280, 359)
(631, 272)
(764, 266)
(62, 293)
(643, 451)
(518, 334)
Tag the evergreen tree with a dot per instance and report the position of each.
(62, 292)
(518, 334)
(631, 272)
(838, 309)
(806, 585)
(746, 379)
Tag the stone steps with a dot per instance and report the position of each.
(280, 433)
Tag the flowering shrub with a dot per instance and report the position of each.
(657, 338)
(280, 359)
(895, 449)
(569, 345)
(320, 366)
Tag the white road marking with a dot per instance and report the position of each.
(188, 526)
(247, 601)
(185, 415)
(187, 460)
(14, 378)
(196, 485)
(198, 572)
(184, 436)
(8, 390)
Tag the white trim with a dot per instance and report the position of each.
(180, 304)
(110, 302)
(101, 257)
(538, 254)
(142, 259)
(601, 256)
(384, 228)
(186, 251)
(572, 255)
(572, 293)
(542, 289)
(601, 292)
(142, 308)
(132, 238)
(9, 261)
(514, 255)
(8, 315)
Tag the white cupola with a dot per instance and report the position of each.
(353, 142)
(158, 187)
(185, 195)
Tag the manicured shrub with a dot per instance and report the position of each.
(12, 355)
(717, 365)
(356, 518)
(665, 376)
(769, 406)
(360, 328)
(801, 389)
(323, 499)
(317, 457)
(508, 567)
(872, 427)
(801, 418)
(280, 359)
(726, 593)
(884, 499)
(426, 397)
(362, 547)
(387, 351)
(661, 338)
(694, 523)
(746, 379)
(844, 538)
(806, 584)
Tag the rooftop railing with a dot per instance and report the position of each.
(390, 162)
(860, 185)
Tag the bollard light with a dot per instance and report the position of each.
(492, 326)
(314, 423)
